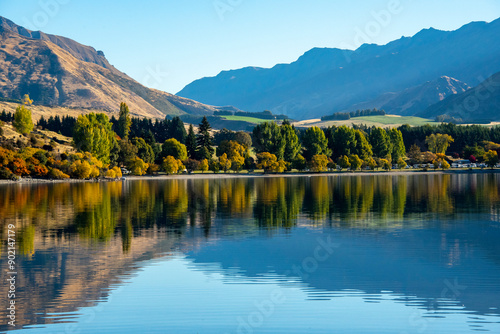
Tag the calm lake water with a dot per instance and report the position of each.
(348, 254)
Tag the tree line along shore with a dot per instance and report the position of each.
(99, 147)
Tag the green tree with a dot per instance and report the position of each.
(299, 163)
(22, 120)
(371, 163)
(144, 150)
(343, 162)
(315, 143)
(319, 163)
(397, 144)
(438, 143)
(214, 166)
(381, 145)
(385, 164)
(191, 142)
(402, 163)
(267, 137)
(243, 138)
(127, 152)
(292, 142)
(174, 148)
(124, 121)
(363, 147)
(491, 158)
(205, 149)
(93, 133)
(344, 141)
(204, 165)
(355, 162)
(177, 130)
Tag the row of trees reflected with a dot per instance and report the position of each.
(101, 211)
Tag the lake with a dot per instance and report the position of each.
(321, 254)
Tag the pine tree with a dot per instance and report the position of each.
(204, 140)
(191, 142)
(177, 130)
(124, 121)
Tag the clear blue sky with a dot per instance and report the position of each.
(166, 44)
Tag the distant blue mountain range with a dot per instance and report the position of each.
(405, 77)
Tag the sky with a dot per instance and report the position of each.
(166, 44)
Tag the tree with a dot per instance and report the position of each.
(319, 163)
(438, 143)
(232, 148)
(80, 169)
(371, 163)
(243, 138)
(126, 151)
(214, 166)
(174, 148)
(191, 142)
(385, 164)
(267, 137)
(93, 133)
(299, 163)
(237, 163)
(343, 162)
(415, 154)
(224, 162)
(440, 161)
(204, 141)
(315, 143)
(397, 144)
(22, 120)
(171, 165)
(266, 161)
(402, 163)
(124, 122)
(204, 165)
(192, 165)
(363, 147)
(177, 130)
(26, 100)
(491, 158)
(381, 144)
(292, 142)
(144, 151)
(344, 141)
(355, 162)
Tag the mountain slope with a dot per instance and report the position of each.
(58, 71)
(480, 103)
(324, 81)
(415, 99)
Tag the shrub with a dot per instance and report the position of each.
(5, 173)
(57, 174)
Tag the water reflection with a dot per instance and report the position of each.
(406, 234)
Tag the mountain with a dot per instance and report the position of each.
(415, 99)
(482, 103)
(58, 71)
(324, 81)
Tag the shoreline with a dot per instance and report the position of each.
(211, 176)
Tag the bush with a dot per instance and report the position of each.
(5, 173)
(57, 174)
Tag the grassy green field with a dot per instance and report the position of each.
(388, 120)
(246, 119)
(379, 121)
